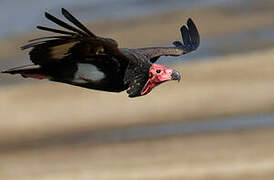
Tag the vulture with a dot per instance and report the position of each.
(78, 57)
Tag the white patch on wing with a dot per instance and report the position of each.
(88, 72)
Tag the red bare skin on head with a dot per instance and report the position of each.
(157, 75)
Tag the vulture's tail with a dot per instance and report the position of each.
(29, 71)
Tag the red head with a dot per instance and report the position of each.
(157, 75)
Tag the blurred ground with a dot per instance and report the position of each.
(36, 116)
(221, 156)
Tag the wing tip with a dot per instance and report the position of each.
(190, 36)
(194, 33)
(76, 22)
(8, 71)
(183, 28)
(47, 14)
(4, 71)
(64, 11)
(24, 47)
(190, 21)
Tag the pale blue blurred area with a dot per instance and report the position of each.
(21, 16)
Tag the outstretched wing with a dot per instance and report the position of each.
(74, 43)
(191, 41)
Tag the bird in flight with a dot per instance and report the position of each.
(78, 57)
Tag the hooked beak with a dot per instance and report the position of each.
(175, 76)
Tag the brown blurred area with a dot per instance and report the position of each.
(55, 131)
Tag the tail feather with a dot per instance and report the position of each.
(29, 71)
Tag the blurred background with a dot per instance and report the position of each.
(216, 124)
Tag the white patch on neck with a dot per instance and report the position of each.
(87, 72)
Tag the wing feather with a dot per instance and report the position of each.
(74, 45)
(194, 34)
(185, 35)
(191, 41)
(63, 24)
(55, 30)
(76, 22)
(50, 37)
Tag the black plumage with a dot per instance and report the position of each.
(61, 58)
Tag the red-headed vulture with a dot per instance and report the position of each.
(78, 57)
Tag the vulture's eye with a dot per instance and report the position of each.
(158, 71)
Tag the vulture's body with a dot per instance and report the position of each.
(80, 58)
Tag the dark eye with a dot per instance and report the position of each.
(158, 71)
